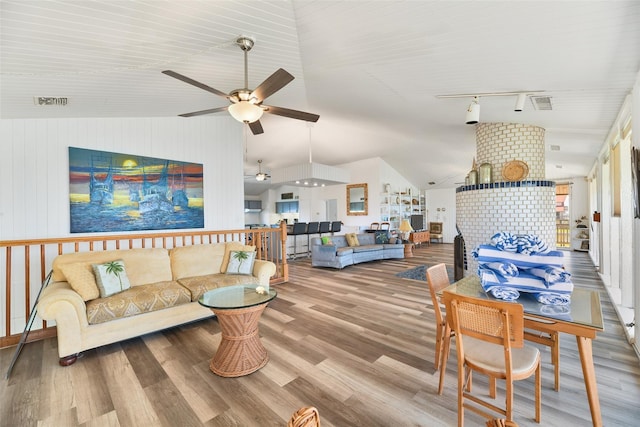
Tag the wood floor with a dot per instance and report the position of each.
(357, 343)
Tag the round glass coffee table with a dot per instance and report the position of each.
(238, 309)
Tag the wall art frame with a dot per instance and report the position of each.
(112, 192)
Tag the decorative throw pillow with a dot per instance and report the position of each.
(233, 246)
(382, 237)
(352, 239)
(111, 278)
(326, 240)
(241, 262)
(81, 279)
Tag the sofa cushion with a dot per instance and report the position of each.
(344, 251)
(352, 239)
(241, 262)
(111, 278)
(233, 246)
(197, 286)
(367, 248)
(144, 265)
(367, 239)
(81, 279)
(196, 260)
(381, 236)
(137, 300)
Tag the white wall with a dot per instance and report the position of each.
(374, 171)
(34, 165)
(441, 207)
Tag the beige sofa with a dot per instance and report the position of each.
(165, 287)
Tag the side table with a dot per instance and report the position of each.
(420, 237)
(408, 250)
(238, 309)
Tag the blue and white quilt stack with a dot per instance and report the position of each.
(523, 263)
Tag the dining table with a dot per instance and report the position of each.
(581, 318)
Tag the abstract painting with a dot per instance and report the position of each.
(122, 192)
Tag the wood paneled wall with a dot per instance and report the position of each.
(34, 174)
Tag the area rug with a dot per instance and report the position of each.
(419, 273)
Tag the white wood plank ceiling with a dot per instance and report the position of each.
(371, 69)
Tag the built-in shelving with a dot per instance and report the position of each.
(581, 237)
(398, 205)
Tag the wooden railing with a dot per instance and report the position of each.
(563, 236)
(26, 263)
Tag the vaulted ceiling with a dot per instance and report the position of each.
(372, 70)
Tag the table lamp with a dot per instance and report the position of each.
(405, 228)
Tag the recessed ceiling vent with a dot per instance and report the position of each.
(541, 102)
(50, 100)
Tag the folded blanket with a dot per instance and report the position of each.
(524, 282)
(504, 293)
(552, 298)
(551, 275)
(505, 241)
(530, 244)
(506, 269)
(488, 253)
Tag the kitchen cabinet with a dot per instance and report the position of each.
(286, 207)
(252, 205)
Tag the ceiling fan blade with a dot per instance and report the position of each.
(195, 83)
(272, 84)
(203, 112)
(256, 127)
(293, 114)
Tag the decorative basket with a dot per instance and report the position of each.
(515, 170)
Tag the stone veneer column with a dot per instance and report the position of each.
(526, 207)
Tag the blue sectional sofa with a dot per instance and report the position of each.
(338, 254)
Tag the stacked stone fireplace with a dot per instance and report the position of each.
(519, 207)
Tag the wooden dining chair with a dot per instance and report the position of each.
(499, 422)
(305, 417)
(385, 226)
(551, 339)
(374, 226)
(438, 279)
(490, 340)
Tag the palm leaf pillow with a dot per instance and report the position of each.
(241, 262)
(111, 278)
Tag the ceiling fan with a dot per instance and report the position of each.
(246, 105)
(260, 176)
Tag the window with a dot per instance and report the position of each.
(615, 180)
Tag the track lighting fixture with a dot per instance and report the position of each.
(473, 112)
(522, 97)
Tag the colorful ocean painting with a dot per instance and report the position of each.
(122, 192)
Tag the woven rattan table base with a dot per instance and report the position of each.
(241, 352)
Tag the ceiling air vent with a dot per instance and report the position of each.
(541, 102)
(50, 100)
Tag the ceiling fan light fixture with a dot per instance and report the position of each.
(245, 112)
(473, 112)
(261, 176)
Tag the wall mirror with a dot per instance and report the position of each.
(357, 199)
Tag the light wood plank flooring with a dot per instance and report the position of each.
(357, 343)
